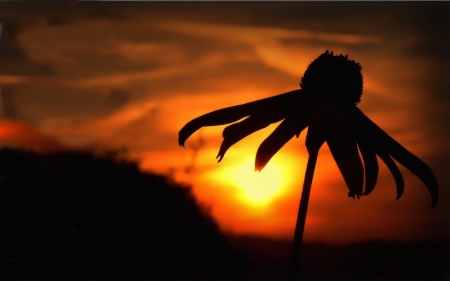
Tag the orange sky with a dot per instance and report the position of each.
(107, 76)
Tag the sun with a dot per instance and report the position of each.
(257, 188)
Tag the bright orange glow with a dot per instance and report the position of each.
(25, 136)
(257, 188)
(253, 189)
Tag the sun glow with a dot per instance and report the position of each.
(254, 191)
(257, 188)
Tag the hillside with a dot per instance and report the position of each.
(77, 216)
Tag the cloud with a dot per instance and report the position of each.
(7, 109)
(25, 136)
(14, 60)
(13, 79)
(96, 129)
(271, 44)
(116, 99)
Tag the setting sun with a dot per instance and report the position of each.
(257, 188)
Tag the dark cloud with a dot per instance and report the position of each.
(116, 99)
(228, 77)
(35, 103)
(94, 49)
(425, 18)
(310, 15)
(13, 58)
(7, 107)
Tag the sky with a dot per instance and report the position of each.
(127, 76)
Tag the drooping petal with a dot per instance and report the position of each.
(368, 153)
(279, 137)
(276, 105)
(345, 153)
(370, 165)
(237, 131)
(334, 124)
(384, 143)
(395, 171)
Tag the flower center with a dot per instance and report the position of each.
(334, 78)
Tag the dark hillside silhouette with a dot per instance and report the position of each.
(76, 216)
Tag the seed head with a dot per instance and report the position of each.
(333, 77)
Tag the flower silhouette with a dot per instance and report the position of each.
(326, 103)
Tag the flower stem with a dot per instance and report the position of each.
(301, 217)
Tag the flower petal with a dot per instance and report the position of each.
(335, 124)
(275, 141)
(237, 131)
(370, 165)
(276, 105)
(385, 144)
(399, 182)
(345, 152)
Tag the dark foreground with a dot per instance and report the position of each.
(73, 216)
(268, 259)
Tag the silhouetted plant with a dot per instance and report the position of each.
(326, 103)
